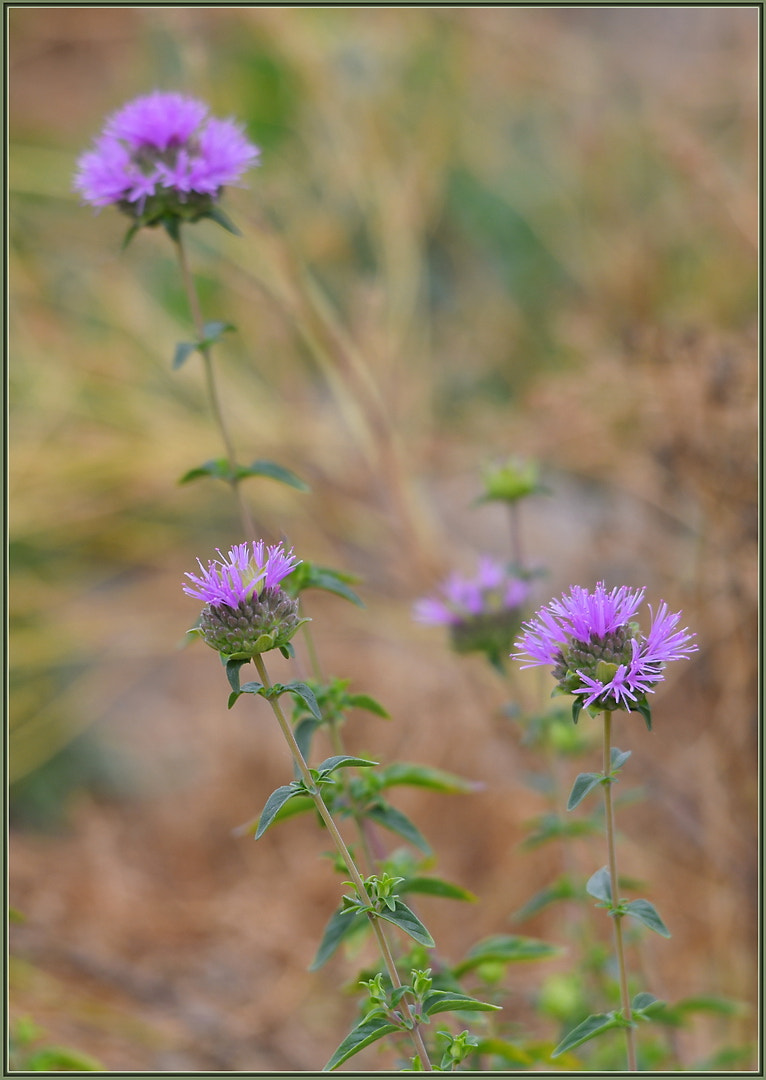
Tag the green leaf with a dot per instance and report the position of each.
(645, 710)
(232, 672)
(584, 784)
(309, 576)
(397, 822)
(436, 887)
(402, 772)
(184, 349)
(618, 758)
(306, 695)
(129, 236)
(448, 1001)
(505, 949)
(576, 709)
(217, 215)
(365, 1033)
(344, 761)
(589, 1029)
(274, 472)
(342, 925)
(563, 889)
(407, 921)
(274, 804)
(647, 914)
(304, 733)
(218, 468)
(61, 1059)
(599, 885)
(552, 827)
(214, 331)
(369, 704)
(646, 1005)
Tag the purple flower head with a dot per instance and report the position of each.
(247, 611)
(598, 652)
(161, 156)
(483, 612)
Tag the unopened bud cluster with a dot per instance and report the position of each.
(255, 625)
(599, 657)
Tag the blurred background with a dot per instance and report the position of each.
(475, 233)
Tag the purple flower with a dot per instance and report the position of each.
(238, 576)
(483, 612)
(247, 612)
(598, 652)
(162, 155)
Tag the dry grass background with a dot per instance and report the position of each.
(475, 233)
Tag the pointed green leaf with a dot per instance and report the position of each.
(342, 925)
(183, 351)
(599, 886)
(402, 772)
(647, 914)
(217, 215)
(645, 710)
(618, 758)
(214, 331)
(505, 949)
(306, 695)
(589, 1029)
(309, 576)
(397, 822)
(369, 1031)
(563, 889)
(129, 236)
(304, 733)
(647, 1005)
(448, 1001)
(274, 472)
(218, 468)
(584, 783)
(369, 704)
(408, 921)
(576, 709)
(344, 761)
(251, 688)
(232, 672)
(552, 827)
(435, 887)
(274, 803)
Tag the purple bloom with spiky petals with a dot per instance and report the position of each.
(247, 569)
(161, 156)
(482, 612)
(247, 611)
(597, 650)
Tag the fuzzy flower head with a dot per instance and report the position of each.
(246, 612)
(162, 158)
(597, 650)
(483, 612)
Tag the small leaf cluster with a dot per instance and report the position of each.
(384, 1015)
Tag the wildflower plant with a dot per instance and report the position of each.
(598, 654)
(163, 160)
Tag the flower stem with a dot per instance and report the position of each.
(613, 881)
(212, 390)
(348, 860)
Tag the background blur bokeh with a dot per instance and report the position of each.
(475, 233)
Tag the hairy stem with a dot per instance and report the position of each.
(612, 856)
(190, 288)
(345, 854)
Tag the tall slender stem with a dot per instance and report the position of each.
(613, 881)
(345, 854)
(212, 390)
